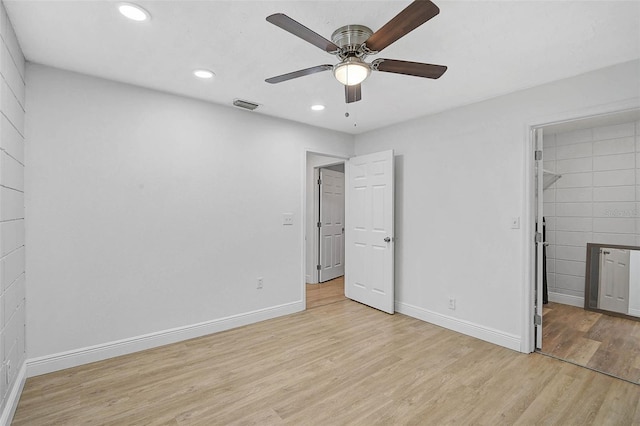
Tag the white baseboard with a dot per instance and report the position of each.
(465, 327)
(76, 357)
(14, 397)
(566, 299)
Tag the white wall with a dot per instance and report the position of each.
(148, 212)
(595, 200)
(461, 176)
(12, 235)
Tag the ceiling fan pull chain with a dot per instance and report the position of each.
(355, 116)
(347, 115)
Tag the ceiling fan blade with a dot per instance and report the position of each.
(352, 93)
(297, 29)
(300, 73)
(414, 15)
(417, 69)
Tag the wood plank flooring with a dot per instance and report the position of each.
(325, 293)
(602, 342)
(342, 363)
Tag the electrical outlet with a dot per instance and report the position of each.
(260, 283)
(515, 223)
(287, 218)
(452, 303)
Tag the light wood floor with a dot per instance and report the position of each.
(602, 342)
(325, 293)
(342, 363)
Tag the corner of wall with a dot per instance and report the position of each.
(11, 402)
(12, 242)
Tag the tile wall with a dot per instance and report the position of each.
(597, 199)
(12, 249)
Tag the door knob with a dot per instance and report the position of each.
(387, 240)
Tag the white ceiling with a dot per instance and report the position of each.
(490, 47)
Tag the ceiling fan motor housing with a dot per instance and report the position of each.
(350, 37)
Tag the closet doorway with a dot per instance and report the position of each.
(591, 194)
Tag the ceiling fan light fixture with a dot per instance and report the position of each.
(133, 12)
(351, 71)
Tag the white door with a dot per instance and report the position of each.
(331, 225)
(538, 237)
(613, 294)
(369, 230)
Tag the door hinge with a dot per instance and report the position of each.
(537, 319)
(318, 267)
(319, 181)
(319, 224)
(538, 237)
(538, 155)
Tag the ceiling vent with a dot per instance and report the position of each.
(245, 104)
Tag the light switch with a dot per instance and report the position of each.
(287, 218)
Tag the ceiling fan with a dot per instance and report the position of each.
(353, 43)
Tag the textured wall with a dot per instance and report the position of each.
(595, 200)
(12, 235)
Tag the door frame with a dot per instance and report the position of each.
(318, 212)
(340, 157)
(529, 204)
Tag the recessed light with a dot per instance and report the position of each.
(317, 107)
(203, 73)
(133, 12)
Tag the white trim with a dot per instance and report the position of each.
(528, 227)
(315, 253)
(586, 113)
(566, 299)
(14, 397)
(487, 334)
(76, 357)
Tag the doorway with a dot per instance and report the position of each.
(369, 226)
(330, 194)
(589, 180)
(324, 285)
(325, 293)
